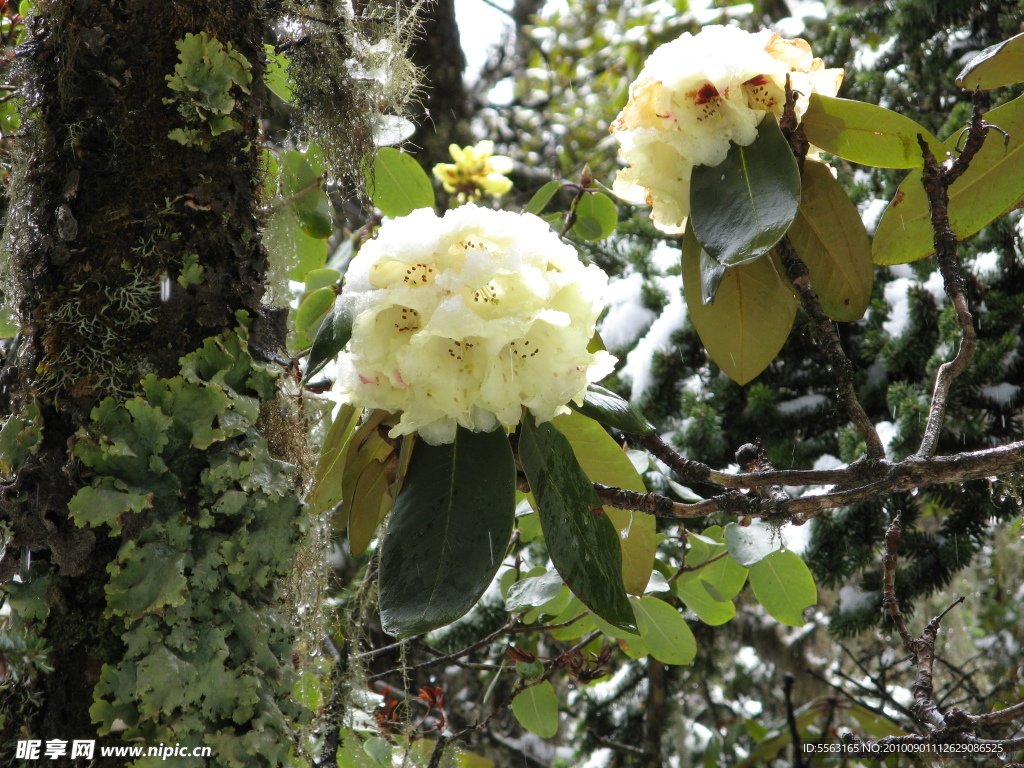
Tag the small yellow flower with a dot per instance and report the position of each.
(476, 170)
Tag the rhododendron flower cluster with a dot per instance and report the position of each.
(697, 95)
(463, 320)
(476, 170)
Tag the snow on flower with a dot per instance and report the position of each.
(476, 170)
(463, 320)
(697, 94)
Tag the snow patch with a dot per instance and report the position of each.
(627, 317)
(637, 369)
(803, 404)
(871, 211)
(827, 461)
(1003, 394)
(854, 600)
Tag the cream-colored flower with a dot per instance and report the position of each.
(697, 95)
(466, 319)
(476, 170)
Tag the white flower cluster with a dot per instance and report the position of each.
(697, 94)
(466, 319)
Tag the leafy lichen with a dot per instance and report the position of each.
(202, 82)
(209, 524)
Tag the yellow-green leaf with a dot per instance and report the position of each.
(327, 477)
(829, 236)
(750, 319)
(399, 185)
(998, 65)
(866, 133)
(664, 631)
(783, 584)
(605, 462)
(992, 186)
(536, 709)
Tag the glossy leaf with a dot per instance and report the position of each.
(399, 185)
(326, 491)
(711, 274)
(604, 461)
(998, 65)
(596, 216)
(448, 531)
(536, 709)
(581, 541)
(866, 133)
(664, 631)
(743, 206)
(321, 278)
(749, 322)
(332, 337)
(991, 187)
(605, 407)
(748, 544)
(542, 197)
(533, 592)
(313, 308)
(783, 584)
(829, 236)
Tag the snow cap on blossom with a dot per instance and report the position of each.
(694, 97)
(463, 320)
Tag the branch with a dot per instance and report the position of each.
(827, 336)
(936, 179)
(913, 472)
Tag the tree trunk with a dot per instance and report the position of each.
(159, 508)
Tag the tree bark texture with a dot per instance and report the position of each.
(156, 497)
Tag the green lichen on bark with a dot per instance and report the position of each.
(202, 82)
(209, 524)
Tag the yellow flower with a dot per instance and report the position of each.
(475, 170)
(466, 319)
(695, 97)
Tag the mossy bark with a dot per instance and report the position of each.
(126, 250)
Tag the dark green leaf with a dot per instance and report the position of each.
(542, 197)
(829, 235)
(605, 407)
(581, 540)
(998, 65)
(399, 185)
(330, 340)
(448, 531)
(604, 461)
(597, 216)
(866, 133)
(743, 206)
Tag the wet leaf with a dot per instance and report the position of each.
(399, 185)
(998, 65)
(743, 206)
(448, 531)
